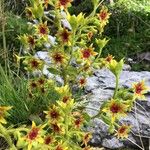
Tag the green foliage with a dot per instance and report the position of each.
(14, 92)
(15, 26)
(128, 28)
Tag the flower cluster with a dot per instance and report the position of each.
(73, 56)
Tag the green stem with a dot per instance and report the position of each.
(99, 54)
(66, 126)
(64, 75)
(7, 137)
(3, 32)
(116, 88)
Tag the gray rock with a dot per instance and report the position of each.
(101, 86)
(112, 143)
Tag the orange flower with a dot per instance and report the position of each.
(34, 136)
(115, 109)
(33, 63)
(48, 140)
(65, 99)
(56, 128)
(140, 89)
(41, 81)
(64, 3)
(53, 114)
(123, 131)
(78, 121)
(87, 53)
(86, 138)
(58, 57)
(104, 15)
(64, 35)
(109, 58)
(82, 82)
(42, 29)
(31, 41)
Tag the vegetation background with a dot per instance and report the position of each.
(128, 28)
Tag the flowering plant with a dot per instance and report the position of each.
(73, 58)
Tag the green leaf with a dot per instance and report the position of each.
(54, 71)
(72, 71)
(111, 129)
(119, 67)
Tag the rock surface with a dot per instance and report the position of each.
(101, 86)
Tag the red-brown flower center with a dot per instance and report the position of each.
(33, 133)
(115, 108)
(122, 129)
(58, 58)
(86, 53)
(65, 99)
(64, 2)
(34, 64)
(82, 81)
(33, 85)
(59, 148)
(103, 15)
(43, 29)
(138, 88)
(65, 36)
(78, 122)
(109, 58)
(48, 140)
(31, 41)
(41, 81)
(54, 114)
(56, 128)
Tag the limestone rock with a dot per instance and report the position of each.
(101, 86)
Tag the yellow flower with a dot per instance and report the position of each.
(123, 131)
(53, 114)
(78, 121)
(57, 128)
(42, 29)
(87, 53)
(3, 113)
(65, 95)
(86, 138)
(109, 58)
(64, 36)
(64, 3)
(33, 137)
(140, 89)
(104, 15)
(48, 139)
(115, 109)
(58, 57)
(33, 63)
(82, 82)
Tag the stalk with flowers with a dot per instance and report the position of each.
(73, 58)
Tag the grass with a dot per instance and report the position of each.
(14, 92)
